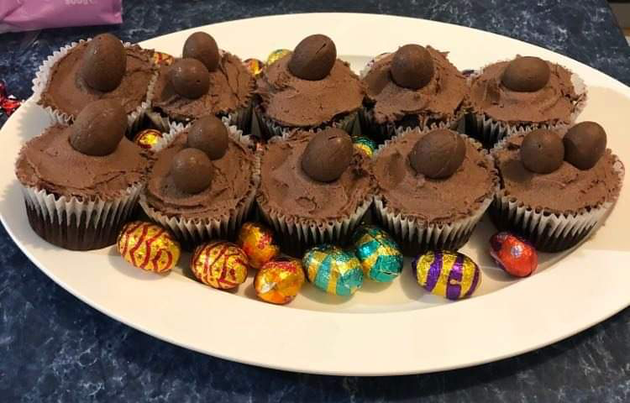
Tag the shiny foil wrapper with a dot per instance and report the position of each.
(161, 58)
(513, 254)
(276, 55)
(147, 138)
(148, 247)
(254, 66)
(364, 144)
(448, 274)
(333, 270)
(258, 243)
(221, 265)
(379, 254)
(279, 282)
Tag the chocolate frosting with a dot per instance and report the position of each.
(433, 200)
(67, 92)
(290, 192)
(440, 99)
(565, 190)
(231, 181)
(292, 101)
(49, 162)
(553, 103)
(231, 87)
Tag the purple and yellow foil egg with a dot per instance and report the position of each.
(451, 275)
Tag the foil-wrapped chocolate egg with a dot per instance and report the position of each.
(513, 254)
(451, 275)
(333, 270)
(254, 66)
(258, 243)
(148, 138)
(161, 58)
(276, 55)
(364, 144)
(379, 254)
(220, 264)
(279, 282)
(148, 247)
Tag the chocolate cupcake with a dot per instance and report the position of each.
(99, 68)
(412, 88)
(521, 95)
(433, 188)
(81, 182)
(205, 81)
(555, 191)
(308, 89)
(203, 185)
(314, 188)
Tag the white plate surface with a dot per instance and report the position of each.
(382, 330)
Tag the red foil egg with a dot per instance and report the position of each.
(513, 254)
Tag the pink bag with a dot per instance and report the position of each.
(29, 15)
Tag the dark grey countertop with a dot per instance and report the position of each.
(55, 348)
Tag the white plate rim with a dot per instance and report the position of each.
(428, 340)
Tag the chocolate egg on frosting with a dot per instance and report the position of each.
(412, 67)
(327, 155)
(542, 151)
(202, 47)
(584, 145)
(313, 58)
(104, 63)
(189, 78)
(526, 74)
(191, 170)
(438, 154)
(99, 128)
(209, 135)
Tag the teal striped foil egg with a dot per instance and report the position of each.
(333, 270)
(379, 254)
(364, 144)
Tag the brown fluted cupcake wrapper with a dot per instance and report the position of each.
(547, 231)
(40, 82)
(270, 128)
(78, 225)
(489, 131)
(192, 232)
(419, 235)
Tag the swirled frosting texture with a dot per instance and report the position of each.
(231, 88)
(554, 103)
(292, 101)
(288, 191)
(441, 99)
(49, 162)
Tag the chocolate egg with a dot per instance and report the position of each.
(412, 67)
(104, 63)
(333, 270)
(189, 78)
(542, 151)
(191, 170)
(327, 155)
(99, 128)
(209, 135)
(202, 47)
(526, 74)
(313, 57)
(438, 154)
(584, 145)
(448, 274)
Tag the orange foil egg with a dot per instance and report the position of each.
(221, 265)
(258, 243)
(279, 282)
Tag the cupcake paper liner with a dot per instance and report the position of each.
(418, 235)
(490, 131)
(78, 225)
(134, 119)
(270, 128)
(195, 231)
(547, 231)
